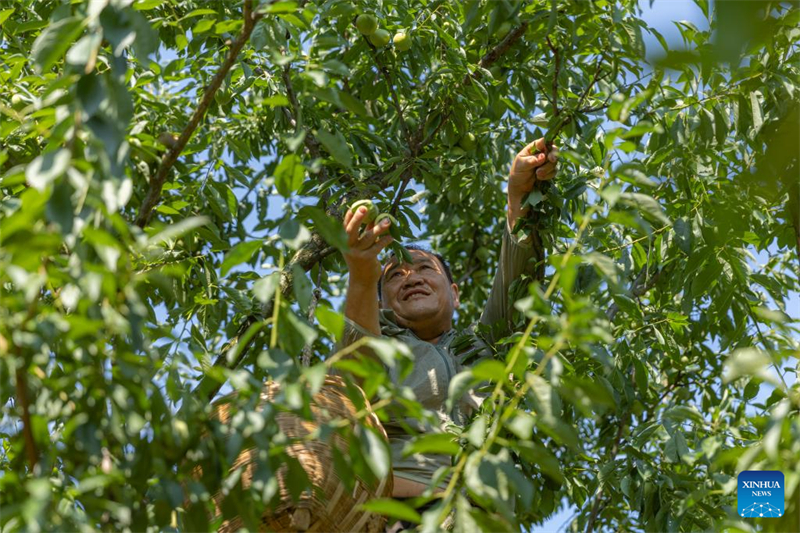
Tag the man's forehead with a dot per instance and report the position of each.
(419, 256)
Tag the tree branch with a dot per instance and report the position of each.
(794, 212)
(638, 288)
(305, 360)
(501, 48)
(169, 159)
(488, 59)
(27, 433)
(554, 89)
(612, 455)
(405, 176)
(311, 143)
(410, 140)
(569, 117)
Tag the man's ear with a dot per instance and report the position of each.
(456, 301)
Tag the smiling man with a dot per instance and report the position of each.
(415, 302)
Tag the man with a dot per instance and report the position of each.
(417, 302)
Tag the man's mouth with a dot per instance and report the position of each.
(411, 293)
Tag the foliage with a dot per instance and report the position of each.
(172, 176)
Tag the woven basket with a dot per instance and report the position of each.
(327, 508)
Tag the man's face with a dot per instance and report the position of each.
(420, 293)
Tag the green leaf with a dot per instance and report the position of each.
(336, 145)
(294, 234)
(330, 320)
(758, 121)
(376, 452)
(393, 508)
(296, 333)
(239, 254)
(352, 104)
(459, 385)
(177, 230)
(748, 362)
(331, 229)
(289, 175)
(203, 26)
(645, 204)
(53, 42)
(440, 443)
(464, 521)
(683, 235)
(278, 7)
(276, 100)
(4, 14)
(490, 369)
(46, 168)
(302, 287)
(522, 425)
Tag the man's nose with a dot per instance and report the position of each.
(412, 278)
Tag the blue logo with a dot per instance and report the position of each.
(760, 494)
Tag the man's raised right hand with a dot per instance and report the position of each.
(362, 258)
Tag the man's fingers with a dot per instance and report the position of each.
(540, 146)
(383, 227)
(532, 161)
(547, 168)
(544, 175)
(374, 231)
(354, 224)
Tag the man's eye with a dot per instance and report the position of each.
(426, 266)
(394, 275)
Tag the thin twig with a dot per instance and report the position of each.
(612, 456)
(27, 432)
(405, 176)
(305, 359)
(638, 288)
(21, 383)
(768, 348)
(310, 142)
(556, 58)
(387, 77)
(595, 78)
(488, 59)
(169, 159)
(569, 117)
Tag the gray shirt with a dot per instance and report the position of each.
(436, 364)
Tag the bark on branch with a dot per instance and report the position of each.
(640, 286)
(169, 159)
(27, 433)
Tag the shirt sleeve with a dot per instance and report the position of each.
(351, 333)
(514, 258)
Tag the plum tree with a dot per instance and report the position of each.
(651, 346)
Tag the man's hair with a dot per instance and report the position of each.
(419, 249)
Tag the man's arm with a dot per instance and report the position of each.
(361, 303)
(533, 163)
